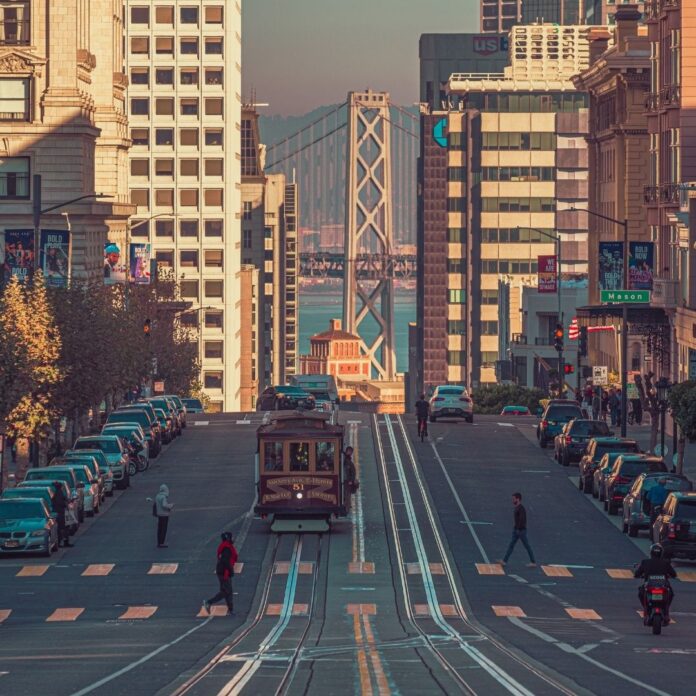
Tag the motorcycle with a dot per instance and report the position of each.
(656, 603)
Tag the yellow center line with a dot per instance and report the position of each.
(365, 682)
(382, 684)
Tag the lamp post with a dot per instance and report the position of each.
(662, 388)
(624, 314)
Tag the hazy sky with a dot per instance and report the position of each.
(299, 54)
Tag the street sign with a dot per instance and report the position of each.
(600, 375)
(625, 296)
(158, 387)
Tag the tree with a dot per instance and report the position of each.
(648, 399)
(682, 402)
(491, 399)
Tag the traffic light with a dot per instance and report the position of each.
(568, 369)
(147, 328)
(582, 342)
(558, 338)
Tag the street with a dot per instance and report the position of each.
(406, 596)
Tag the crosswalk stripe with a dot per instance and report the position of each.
(366, 567)
(306, 568)
(138, 613)
(98, 569)
(163, 569)
(238, 568)
(361, 609)
(4, 614)
(32, 571)
(686, 576)
(65, 614)
(215, 610)
(500, 610)
(421, 610)
(281, 568)
(556, 571)
(490, 569)
(585, 614)
(619, 573)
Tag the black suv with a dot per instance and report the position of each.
(571, 444)
(675, 526)
(596, 449)
(558, 412)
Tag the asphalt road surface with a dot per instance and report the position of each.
(406, 596)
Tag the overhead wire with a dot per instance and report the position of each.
(304, 147)
(307, 127)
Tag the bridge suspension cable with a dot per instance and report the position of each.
(306, 146)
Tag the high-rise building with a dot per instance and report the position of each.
(500, 15)
(62, 97)
(248, 311)
(499, 173)
(184, 115)
(603, 12)
(269, 242)
(554, 11)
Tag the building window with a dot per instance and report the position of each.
(455, 235)
(188, 258)
(489, 297)
(518, 205)
(489, 328)
(213, 228)
(518, 174)
(164, 76)
(213, 76)
(213, 45)
(188, 136)
(456, 266)
(213, 167)
(164, 167)
(164, 228)
(213, 106)
(247, 210)
(213, 137)
(456, 205)
(140, 136)
(164, 258)
(14, 178)
(456, 327)
(213, 350)
(213, 14)
(213, 319)
(213, 288)
(140, 228)
(188, 228)
(189, 106)
(456, 141)
(189, 289)
(519, 141)
(213, 198)
(15, 23)
(189, 320)
(488, 358)
(188, 198)
(14, 99)
(140, 15)
(140, 107)
(164, 136)
(140, 45)
(164, 45)
(188, 167)
(140, 76)
(456, 296)
(213, 258)
(164, 14)
(456, 357)
(189, 46)
(456, 173)
(140, 197)
(189, 15)
(164, 198)
(212, 380)
(164, 107)
(140, 167)
(188, 76)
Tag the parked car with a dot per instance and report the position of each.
(26, 525)
(114, 450)
(50, 474)
(515, 411)
(86, 482)
(452, 401)
(597, 447)
(627, 468)
(193, 405)
(170, 410)
(284, 398)
(133, 434)
(557, 413)
(143, 420)
(91, 463)
(675, 526)
(166, 422)
(637, 512)
(46, 493)
(72, 520)
(154, 423)
(104, 465)
(180, 407)
(570, 444)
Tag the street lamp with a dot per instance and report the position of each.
(624, 314)
(662, 388)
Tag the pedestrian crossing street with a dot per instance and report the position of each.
(568, 571)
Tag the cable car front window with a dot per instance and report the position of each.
(299, 456)
(325, 455)
(273, 456)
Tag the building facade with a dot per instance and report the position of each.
(500, 15)
(570, 12)
(183, 62)
(248, 309)
(62, 116)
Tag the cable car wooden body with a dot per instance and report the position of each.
(299, 473)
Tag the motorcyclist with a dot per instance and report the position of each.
(422, 413)
(655, 565)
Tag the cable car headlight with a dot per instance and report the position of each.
(298, 496)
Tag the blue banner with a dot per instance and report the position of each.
(54, 251)
(610, 266)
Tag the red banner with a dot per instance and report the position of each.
(547, 273)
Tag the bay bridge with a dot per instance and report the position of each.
(349, 178)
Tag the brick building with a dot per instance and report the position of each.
(336, 352)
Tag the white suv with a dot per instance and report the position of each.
(451, 400)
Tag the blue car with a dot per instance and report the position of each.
(27, 526)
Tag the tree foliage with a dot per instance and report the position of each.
(682, 401)
(491, 399)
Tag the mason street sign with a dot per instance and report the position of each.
(625, 296)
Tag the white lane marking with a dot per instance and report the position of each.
(506, 425)
(579, 653)
(460, 505)
(536, 471)
(243, 422)
(565, 565)
(142, 660)
(358, 517)
(465, 522)
(201, 423)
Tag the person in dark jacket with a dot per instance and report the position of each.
(422, 412)
(350, 482)
(226, 558)
(59, 506)
(655, 565)
(519, 530)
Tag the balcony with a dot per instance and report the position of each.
(670, 194)
(519, 339)
(665, 293)
(670, 95)
(652, 101)
(651, 195)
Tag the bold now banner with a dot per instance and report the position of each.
(18, 255)
(54, 255)
(547, 274)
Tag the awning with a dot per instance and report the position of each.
(611, 315)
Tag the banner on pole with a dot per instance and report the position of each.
(18, 255)
(641, 265)
(140, 254)
(547, 274)
(54, 255)
(611, 265)
(114, 265)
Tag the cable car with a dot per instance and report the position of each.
(299, 473)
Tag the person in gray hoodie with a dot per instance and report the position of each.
(163, 509)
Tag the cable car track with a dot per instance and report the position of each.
(421, 535)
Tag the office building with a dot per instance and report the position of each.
(603, 12)
(184, 115)
(570, 12)
(499, 16)
(62, 116)
(248, 336)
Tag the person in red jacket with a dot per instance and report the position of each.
(226, 558)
